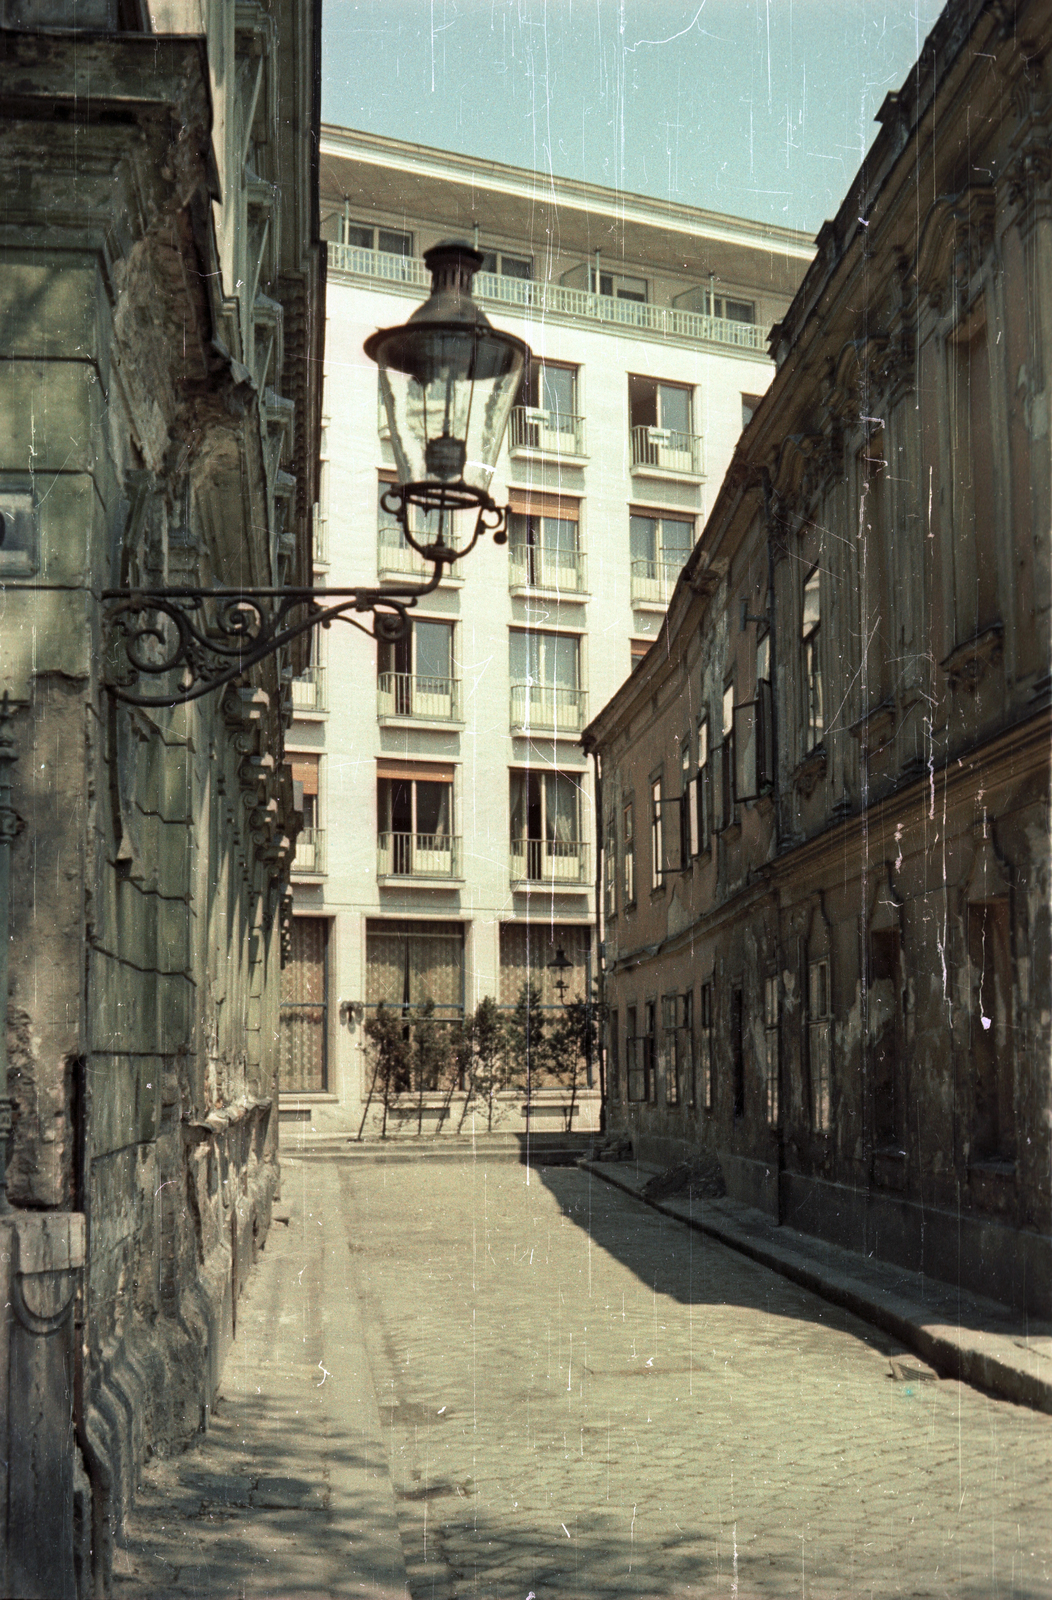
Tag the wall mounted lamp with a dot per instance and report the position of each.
(448, 380)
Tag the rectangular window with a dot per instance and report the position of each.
(637, 652)
(657, 837)
(415, 676)
(687, 808)
(389, 241)
(770, 1037)
(650, 1050)
(706, 1029)
(545, 675)
(310, 841)
(410, 963)
(545, 826)
(680, 1048)
(414, 808)
(661, 419)
(738, 1050)
(550, 388)
(658, 548)
(669, 1008)
(727, 759)
(819, 1044)
(616, 286)
(730, 310)
(544, 552)
(749, 405)
(305, 1008)
(610, 867)
(613, 1064)
(703, 794)
(810, 635)
(634, 1056)
(527, 950)
(629, 859)
(503, 265)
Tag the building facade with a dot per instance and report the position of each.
(161, 293)
(448, 853)
(825, 793)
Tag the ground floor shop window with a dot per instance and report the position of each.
(409, 964)
(304, 1019)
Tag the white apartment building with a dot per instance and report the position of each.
(448, 850)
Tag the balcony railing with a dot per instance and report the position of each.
(549, 861)
(321, 538)
(555, 299)
(399, 694)
(310, 851)
(308, 691)
(418, 855)
(668, 450)
(534, 706)
(534, 567)
(395, 558)
(654, 581)
(554, 432)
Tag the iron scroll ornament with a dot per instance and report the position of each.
(214, 636)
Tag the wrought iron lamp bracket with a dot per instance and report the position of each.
(214, 636)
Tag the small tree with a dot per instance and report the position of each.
(528, 1039)
(389, 1048)
(486, 1058)
(574, 1043)
(431, 1055)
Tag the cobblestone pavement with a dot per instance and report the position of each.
(581, 1397)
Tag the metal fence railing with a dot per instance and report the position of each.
(543, 299)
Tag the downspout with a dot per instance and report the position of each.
(600, 959)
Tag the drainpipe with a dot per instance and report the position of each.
(8, 829)
(600, 964)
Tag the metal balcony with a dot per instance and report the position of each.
(535, 707)
(395, 558)
(418, 855)
(556, 863)
(654, 581)
(556, 299)
(665, 450)
(308, 691)
(534, 567)
(554, 433)
(310, 852)
(399, 694)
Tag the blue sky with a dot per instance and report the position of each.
(762, 108)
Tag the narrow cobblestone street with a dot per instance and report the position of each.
(580, 1397)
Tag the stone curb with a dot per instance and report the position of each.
(1012, 1368)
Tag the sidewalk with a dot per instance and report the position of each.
(288, 1493)
(961, 1335)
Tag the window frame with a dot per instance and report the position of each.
(811, 664)
(820, 1045)
(628, 844)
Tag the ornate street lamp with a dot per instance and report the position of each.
(449, 380)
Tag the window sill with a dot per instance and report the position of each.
(388, 719)
(388, 880)
(667, 474)
(530, 591)
(566, 458)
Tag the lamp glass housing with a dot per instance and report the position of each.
(449, 380)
